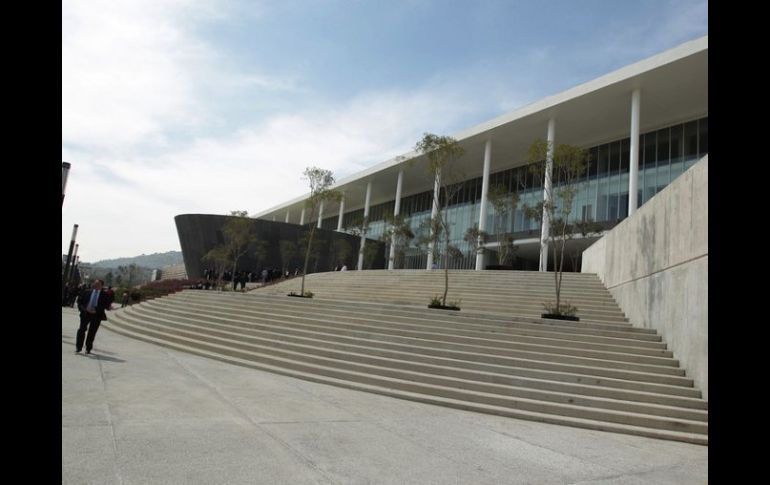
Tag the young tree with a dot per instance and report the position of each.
(359, 227)
(441, 152)
(585, 228)
(399, 233)
(288, 250)
(219, 258)
(475, 238)
(320, 181)
(568, 162)
(504, 204)
(238, 236)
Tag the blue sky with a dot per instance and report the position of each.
(207, 106)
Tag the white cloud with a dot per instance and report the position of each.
(125, 72)
(132, 200)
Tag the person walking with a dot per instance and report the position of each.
(92, 305)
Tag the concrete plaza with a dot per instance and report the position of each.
(136, 413)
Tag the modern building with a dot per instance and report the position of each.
(644, 125)
(283, 249)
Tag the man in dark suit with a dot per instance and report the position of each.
(92, 305)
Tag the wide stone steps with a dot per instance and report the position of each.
(513, 304)
(402, 356)
(436, 383)
(511, 292)
(553, 354)
(423, 314)
(433, 374)
(627, 342)
(556, 371)
(389, 334)
(511, 333)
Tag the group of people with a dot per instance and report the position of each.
(266, 275)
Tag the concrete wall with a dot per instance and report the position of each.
(655, 264)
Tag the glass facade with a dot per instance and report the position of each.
(602, 193)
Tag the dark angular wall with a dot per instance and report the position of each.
(199, 233)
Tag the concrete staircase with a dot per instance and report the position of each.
(499, 292)
(597, 374)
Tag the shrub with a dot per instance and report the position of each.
(562, 309)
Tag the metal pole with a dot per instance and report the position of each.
(67, 264)
(74, 262)
(65, 170)
(73, 272)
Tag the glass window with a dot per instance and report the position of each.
(593, 186)
(663, 160)
(649, 150)
(677, 149)
(650, 182)
(602, 195)
(703, 137)
(604, 160)
(690, 140)
(614, 157)
(625, 145)
(612, 207)
(535, 181)
(623, 197)
(593, 157)
(663, 146)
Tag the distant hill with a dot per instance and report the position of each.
(152, 261)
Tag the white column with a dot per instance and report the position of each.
(366, 215)
(483, 205)
(342, 212)
(320, 214)
(302, 217)
(633, 172)
(547, 194)
(273, 217)
(433, 213)
(396, 211)
(287, 217)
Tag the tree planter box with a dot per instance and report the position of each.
(442, 307)
(299, 296)
(500, 267)
(560, 317)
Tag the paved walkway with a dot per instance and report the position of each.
(136, 413)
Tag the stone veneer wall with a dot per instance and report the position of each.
(655, 264)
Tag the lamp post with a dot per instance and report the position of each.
(67, 264)
(75, 258)
(65, 170)
(74, 278)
